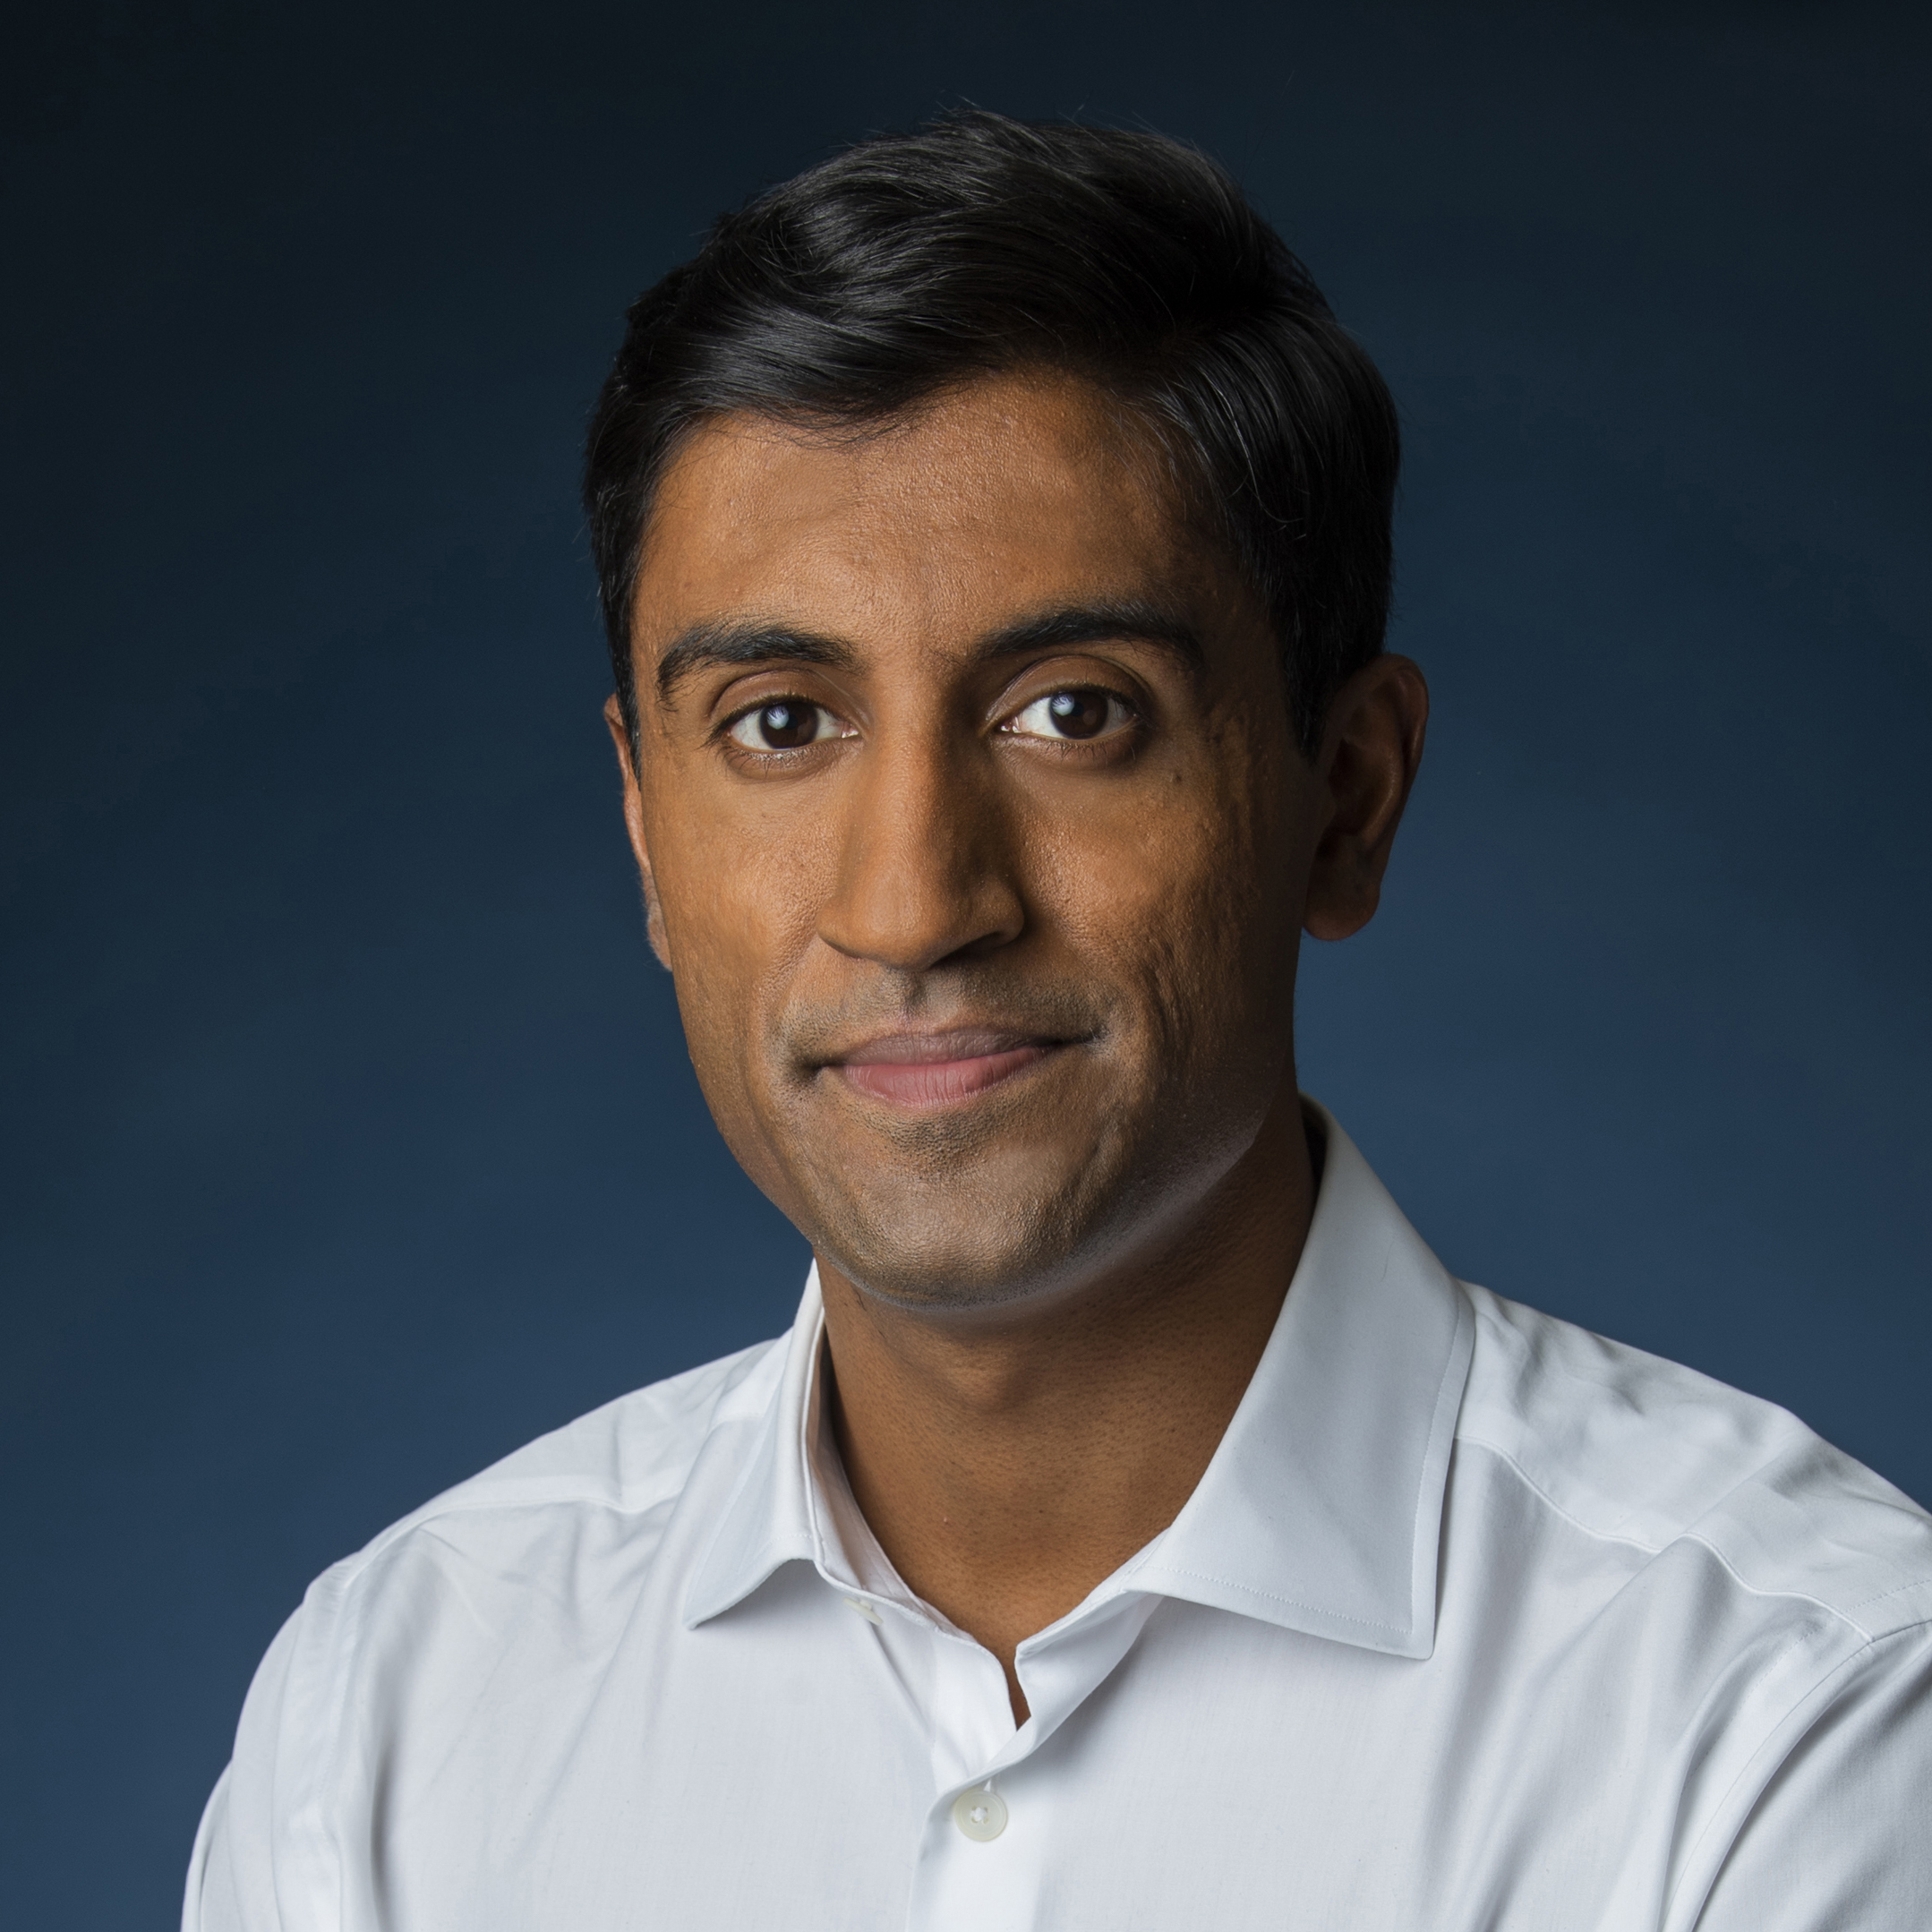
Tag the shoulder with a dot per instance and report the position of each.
(476, 1611)
(624, 1461)
(628, 1455)
(577, 1517)
(1645, 1454)
(1700, 1590)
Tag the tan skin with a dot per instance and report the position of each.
(974, 833)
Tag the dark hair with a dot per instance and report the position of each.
(850, 294)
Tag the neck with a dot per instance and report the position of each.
(1009, 1464)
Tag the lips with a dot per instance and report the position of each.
(925, 1070)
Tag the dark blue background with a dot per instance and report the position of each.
(349, 1139)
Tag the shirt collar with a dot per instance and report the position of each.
(1320, 1510)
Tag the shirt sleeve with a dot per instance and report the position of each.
(232, 1872)
(1841, 1838)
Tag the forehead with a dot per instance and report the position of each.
(1009, 495)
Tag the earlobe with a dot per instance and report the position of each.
(653, 922)
(653, 911)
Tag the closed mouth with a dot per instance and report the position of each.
(930, 1069)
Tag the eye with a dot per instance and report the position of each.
(1079, 715)
(785, 724)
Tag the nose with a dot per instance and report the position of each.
(924, 870)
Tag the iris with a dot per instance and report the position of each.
(788, 725)
(1078, 714)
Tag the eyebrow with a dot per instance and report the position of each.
(728, 643)
(1128, 620)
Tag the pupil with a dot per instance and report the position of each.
(1078, 713)
(785, 727)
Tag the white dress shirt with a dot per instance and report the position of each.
(1475, 1623)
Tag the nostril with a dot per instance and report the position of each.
(910, 935)
(919, 888)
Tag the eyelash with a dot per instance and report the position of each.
(1128, 720)
(784, 701)
(1111, 728)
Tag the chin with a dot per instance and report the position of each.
(1036, 1189)
(1010, 1229)
(968, 1234)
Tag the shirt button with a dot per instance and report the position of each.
(980, 1813)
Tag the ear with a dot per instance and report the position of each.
(1370, 753)
(653, 913)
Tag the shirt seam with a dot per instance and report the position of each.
(345, 1581)
(1809, 1695)
(1883, 1596)
(1840, 1614)
(349, 1569)
(544, 1491)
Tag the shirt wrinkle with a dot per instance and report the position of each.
(618, 1678)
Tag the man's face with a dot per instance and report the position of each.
(976, 834)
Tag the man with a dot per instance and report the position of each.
(1137, 1528)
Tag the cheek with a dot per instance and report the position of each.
(739, 910)
(739, 885)
(1184, 901)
